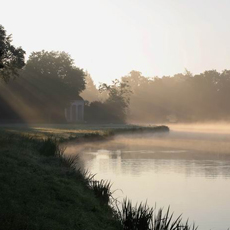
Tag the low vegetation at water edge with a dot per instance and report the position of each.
(41, 189)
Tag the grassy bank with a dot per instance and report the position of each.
(67, 132)
(41, 188)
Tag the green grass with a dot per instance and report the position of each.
(41, 188)
(42, 191)
(102, 190)
(66, 132)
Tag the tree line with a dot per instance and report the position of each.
(47, 83)
(40, 89)
(183, 97)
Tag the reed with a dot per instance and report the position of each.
(165, 222)
(140, 217)
(101, 189)
(49, 147)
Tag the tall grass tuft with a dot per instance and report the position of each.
(165, 222)
(69, 161)
(50, 147)
(139, 217)
(101, 189)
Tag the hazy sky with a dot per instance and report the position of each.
(109, 38)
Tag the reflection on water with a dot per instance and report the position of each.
(192, 177)
(182, 161)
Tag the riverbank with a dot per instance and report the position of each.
(79, 132)
(39, 187)
(39, 190)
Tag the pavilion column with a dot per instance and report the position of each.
(70, 111)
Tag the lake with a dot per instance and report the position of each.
(190, 171)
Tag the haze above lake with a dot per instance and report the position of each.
(188, 169)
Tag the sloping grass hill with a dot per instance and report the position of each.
(39, 191)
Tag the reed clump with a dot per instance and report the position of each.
(50, 147)
(102, 190)
(141, 217)
(135, 218)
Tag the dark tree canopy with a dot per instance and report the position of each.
(11, 58)
(53, 81)
(54, 76)
(47, 84)
(57, 67)
(118, 98)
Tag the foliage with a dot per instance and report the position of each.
(57, 67)
(50, 147)
(139, 217)
(180, 98)
(115, 107)
(90, 93)
(101, 112)
(183, 97)
(11, 58)
(46, 86)
(118, 93)
(165, 222)
(102, 190)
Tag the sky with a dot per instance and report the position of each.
(110, 38)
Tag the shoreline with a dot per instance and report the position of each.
(41, 189)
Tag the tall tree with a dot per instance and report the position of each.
(55, 75)
(57, 67)
(52, 81)
(11, 58)
(118, 98)
(90, 93)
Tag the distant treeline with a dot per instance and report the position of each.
(179, 98)
(40, 89)
(46, 84)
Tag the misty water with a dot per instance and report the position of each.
(190, 171)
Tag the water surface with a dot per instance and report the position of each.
(188, 171)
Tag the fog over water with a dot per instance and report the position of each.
(187, 168)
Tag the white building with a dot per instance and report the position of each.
(75, 112)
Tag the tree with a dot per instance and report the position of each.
(59, 68)
(52, 80)
(55, 75)
(11, 58)
(118, 98)
(90, 93)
